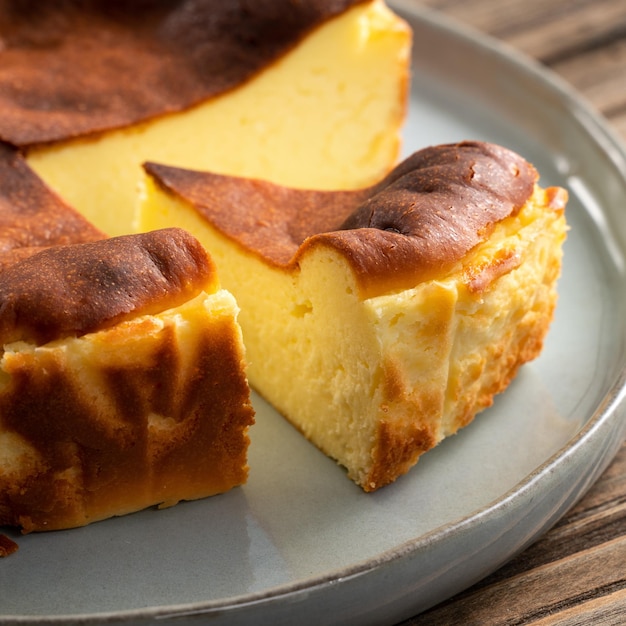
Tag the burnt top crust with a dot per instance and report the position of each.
(79, 67)
(72, 290)
(31, 215)
(61, 276)
(416, 224)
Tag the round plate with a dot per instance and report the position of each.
(300, 543)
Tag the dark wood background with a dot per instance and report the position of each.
(576, 574)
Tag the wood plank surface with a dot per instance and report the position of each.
(576, 574)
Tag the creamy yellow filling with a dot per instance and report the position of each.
(345, 85)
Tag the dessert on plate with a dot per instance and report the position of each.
(381, 305)
(123, 370)
(122, 378)
(381, 320)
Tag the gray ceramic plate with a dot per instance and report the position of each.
(300, 543)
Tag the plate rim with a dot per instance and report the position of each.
(607, 415)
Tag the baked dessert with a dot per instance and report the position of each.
(381, 320)
(122, 380)
(148, 371)
(308, 94)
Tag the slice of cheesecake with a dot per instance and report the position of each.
(129, 349)
(122, 374)
(307, 94)
(381, 320)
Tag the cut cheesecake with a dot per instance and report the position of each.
(304, 94)
(122, 378)
(128, 347)
(380, 310)
(381, 320)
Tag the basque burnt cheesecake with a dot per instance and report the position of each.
(380, 310)
(381, 320)
(307, 94)
(122, 376)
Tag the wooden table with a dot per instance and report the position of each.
(576, 574)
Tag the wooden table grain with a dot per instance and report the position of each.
(576, 574)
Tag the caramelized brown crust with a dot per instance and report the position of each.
(431, 211)
(269, 220)
(415, 224)
(31, 215)
(72, 290)
(80, 67)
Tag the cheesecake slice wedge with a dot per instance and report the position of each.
(381, 320)
(122, 372)
(109, 405)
